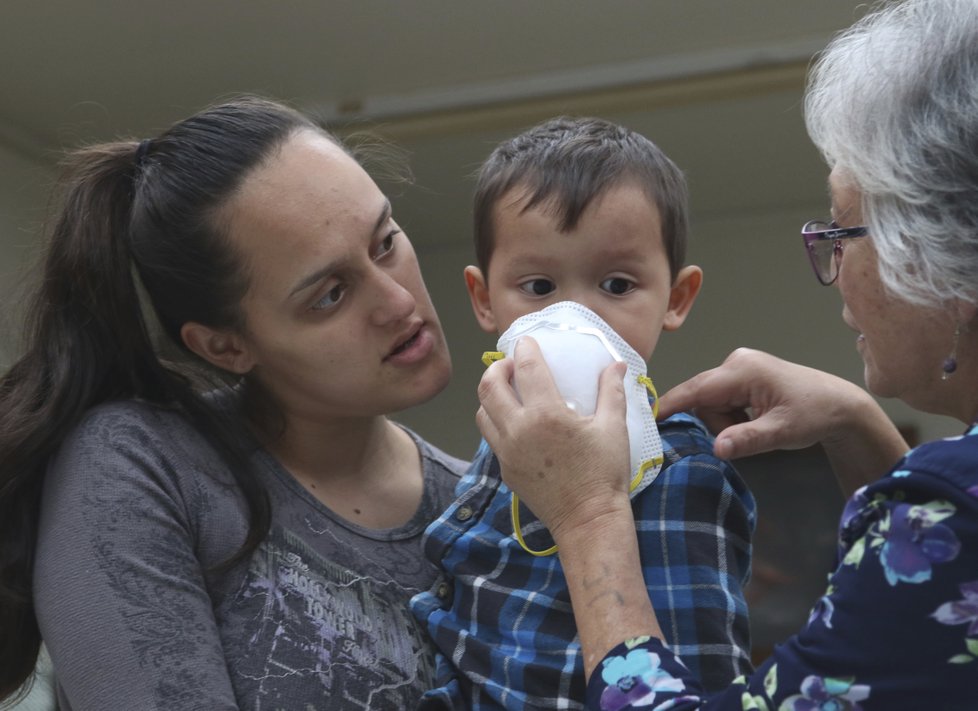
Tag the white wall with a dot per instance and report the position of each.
(24, 185)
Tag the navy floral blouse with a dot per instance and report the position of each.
(897, 627)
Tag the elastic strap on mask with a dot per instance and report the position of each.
(515, 517)
(490, 357)
(653, 395)
(657, 461)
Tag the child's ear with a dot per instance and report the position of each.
(220, 348)
(478, 290)
(682, 295)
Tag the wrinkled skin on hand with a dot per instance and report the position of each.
(755, 403)
(567, 468)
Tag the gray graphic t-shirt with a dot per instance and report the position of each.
(137, 512)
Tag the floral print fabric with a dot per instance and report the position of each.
(897, 627)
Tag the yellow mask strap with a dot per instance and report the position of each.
(653, 395)
(490, 357)
(515, 516)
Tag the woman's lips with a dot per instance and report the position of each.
(414, 349)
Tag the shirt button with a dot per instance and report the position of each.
(464, 513)
(442, 591)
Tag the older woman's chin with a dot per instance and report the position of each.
(882, 382)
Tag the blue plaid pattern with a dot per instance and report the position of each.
(502, 619)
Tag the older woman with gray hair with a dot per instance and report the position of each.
(892, 104)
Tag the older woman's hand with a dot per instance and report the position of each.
(572, 472)
(757, 403)
(567, 468)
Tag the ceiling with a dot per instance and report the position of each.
(76, 70)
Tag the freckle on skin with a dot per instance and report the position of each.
(540, 475)
(356, 511)
(548, 462)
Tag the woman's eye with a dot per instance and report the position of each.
(386, 245)
(538, 287)
(617, 285)
(330, 298)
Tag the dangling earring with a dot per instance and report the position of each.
(951, 362)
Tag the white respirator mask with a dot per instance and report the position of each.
(577, 346)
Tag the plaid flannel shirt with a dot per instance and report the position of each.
(502, 618)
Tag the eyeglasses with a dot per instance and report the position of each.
(823, 242)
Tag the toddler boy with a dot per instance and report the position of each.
(587, 211)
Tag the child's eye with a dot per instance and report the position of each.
(331, 298)
(617, 285)
(538, 287)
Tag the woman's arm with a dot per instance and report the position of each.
(121, 597)
(603, 570)
(756, 403)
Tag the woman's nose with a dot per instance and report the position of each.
(393, 301)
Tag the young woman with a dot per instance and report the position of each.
(250, 540)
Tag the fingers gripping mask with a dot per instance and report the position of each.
(577, 346)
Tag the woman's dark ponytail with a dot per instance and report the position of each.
(86, 343)
(131, 212)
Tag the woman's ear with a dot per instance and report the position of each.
(475, 283)
(683, 293)
(220, 348)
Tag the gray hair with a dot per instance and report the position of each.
(892, 102)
